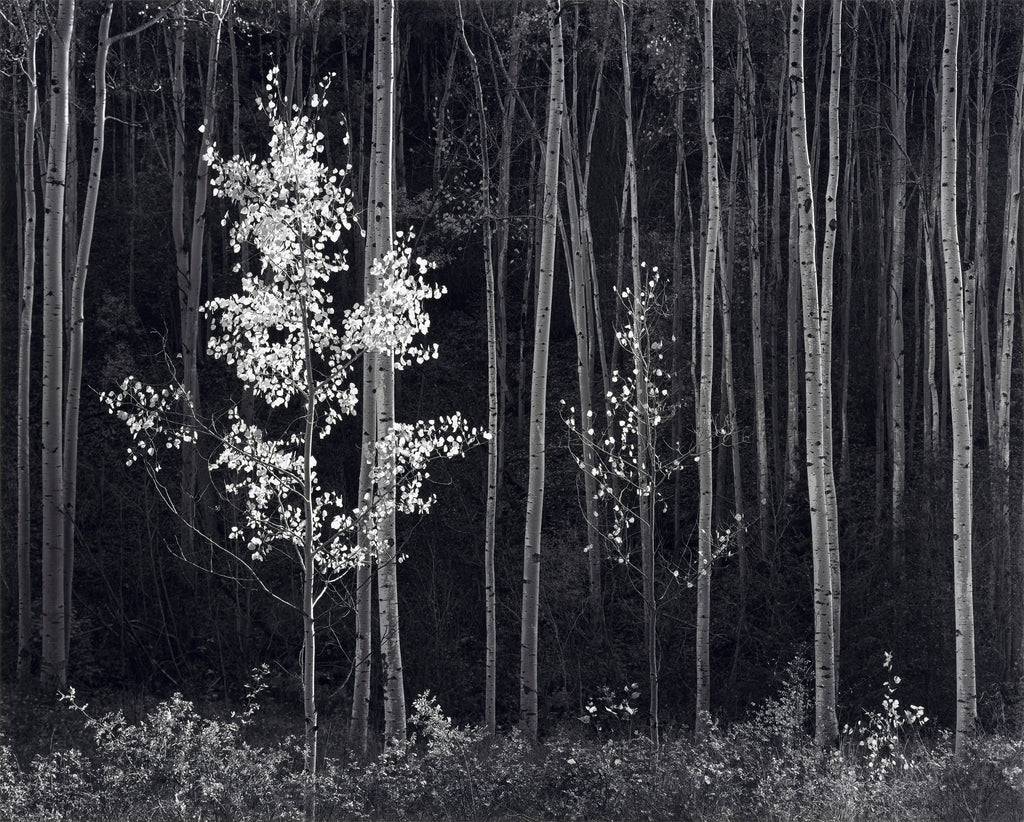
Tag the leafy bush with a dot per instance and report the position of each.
(174, 765)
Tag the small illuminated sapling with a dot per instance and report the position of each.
(294, 354)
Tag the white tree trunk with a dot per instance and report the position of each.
(538, 390)
(959, 389)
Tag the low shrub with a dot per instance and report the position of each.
(175, 765)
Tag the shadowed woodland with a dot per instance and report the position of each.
(563, 410)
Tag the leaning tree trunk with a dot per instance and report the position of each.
(54, 659)
(538, 389)
(959, 390)
(707, 359)
(815, 393)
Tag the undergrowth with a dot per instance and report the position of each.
(172, 764)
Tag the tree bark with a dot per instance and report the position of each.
(54, 659)
(707, 359)
(30, 32)
(382, 169)
(816, 375)
(490, 662)
(959, 389)
(538, 390)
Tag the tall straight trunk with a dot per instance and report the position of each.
(502, 231)
(959, 389)
(900, 51)
(189, 251)
(931, 421)
(382, 170)
(54, 660)
(578, 263)
(30, 30)
(728, 367)
(76, 314)
(815, 378)
(827, 289)
(363, 661)
(1004, 350)
(538, 389)
(309, 597)
(707, 360)
(644, 447)
(490, 662)
(751, 158)
(846, 221)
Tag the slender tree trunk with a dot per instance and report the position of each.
(54, 659)
(815, 393)
(28, 267)
(76, 313)
(959, 392)
(827, 300)
(900, 51)
(707, 359)
(383, 167)
(538, 391)
(490, 678)
(1004, 351)
(751, 158)
(644, 450)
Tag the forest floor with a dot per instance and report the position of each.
(80, 763)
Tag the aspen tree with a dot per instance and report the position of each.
(1004, 353)
(816, 374)
(30, 34)
(382, 175)
(645, 485)
(490, 662)
(189, 249)
(959, 388)
(831, 228)
(751, 159)
(538, 388)
(54, 648)
(76, 304)
(707, 359)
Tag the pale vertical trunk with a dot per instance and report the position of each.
(707, 359)
(578, 261)
(76, 313)
(538, 390)
(959, 389)
(931, 421)
(900, 51)
(502, 228)
(727, 253)
(30, 30)
(781, 453)
(827, 278)
(1004, 350)
(384, 374)
(815, 378)
(308, 572)
(54, 659)
(751, 158)
(644, 450)
(490, 678)
(363, 662)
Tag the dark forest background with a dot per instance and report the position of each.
(148, 620)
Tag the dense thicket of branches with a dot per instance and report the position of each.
(152, 609)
